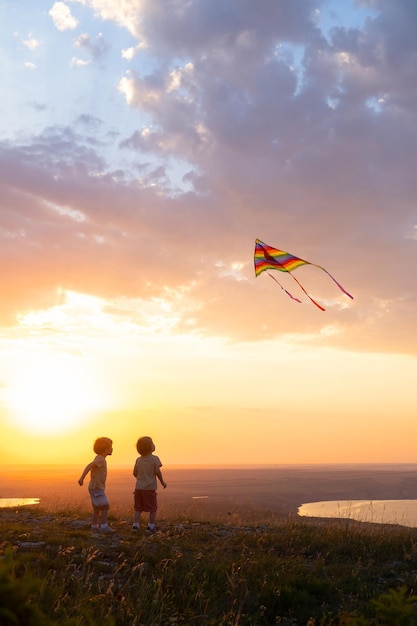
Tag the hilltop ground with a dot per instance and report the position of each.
(237, 567)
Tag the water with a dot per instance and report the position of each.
(10, 503)
(362, 492)
(402, 512)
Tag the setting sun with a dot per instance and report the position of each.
(55, 397)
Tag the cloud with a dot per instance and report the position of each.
(38, 106)
(76, 62)
(269, 121)
(31, 43)
(130, 53)
(98, 48)
(62, 17)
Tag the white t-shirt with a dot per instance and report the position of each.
(144, 470)
(98, 473)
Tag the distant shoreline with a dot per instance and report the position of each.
(277, 488)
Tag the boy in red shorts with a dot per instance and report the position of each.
(146, 471)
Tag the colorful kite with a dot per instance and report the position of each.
(269, 258)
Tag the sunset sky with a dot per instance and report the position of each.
(144, 146)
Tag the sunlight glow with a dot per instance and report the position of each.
(52, 398)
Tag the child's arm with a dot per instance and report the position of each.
(158, 474)
(85, 472)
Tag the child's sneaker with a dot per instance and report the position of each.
(151, 531)
(107, 529)
(135, 528)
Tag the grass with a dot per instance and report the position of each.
(230, 570)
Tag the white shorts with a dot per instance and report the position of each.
(99, 499)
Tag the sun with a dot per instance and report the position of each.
(53, 397)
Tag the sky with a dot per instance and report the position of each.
(144, 146)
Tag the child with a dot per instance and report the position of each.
(146, 471)
(103, 446)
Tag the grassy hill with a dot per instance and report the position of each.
(233, 570)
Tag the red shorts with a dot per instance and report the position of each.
(145, 500)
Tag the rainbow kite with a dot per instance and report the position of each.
(269, 258)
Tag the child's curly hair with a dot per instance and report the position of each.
(101, 444)
(144, 446)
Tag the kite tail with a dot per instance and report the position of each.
(287, 292)
(308, 296)
(334, 280)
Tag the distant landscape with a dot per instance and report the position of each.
(279, 489)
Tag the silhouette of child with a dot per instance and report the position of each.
(103, 446)
(146, 471)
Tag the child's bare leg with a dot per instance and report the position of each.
(104, 514)
(94, 517)
(152, 517)
(137, 517)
